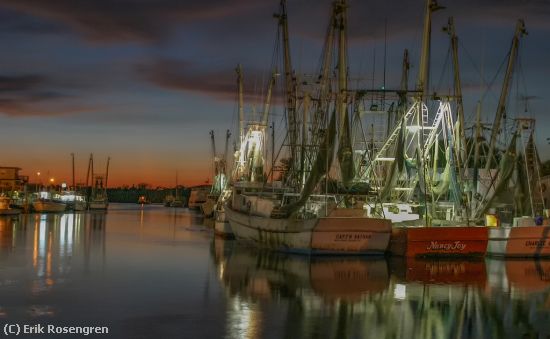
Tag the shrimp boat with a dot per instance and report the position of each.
(209, 207)
(529, 234)
(511, 198)
(297, 214)
(49, 202)
(98, 199)
(420, 164)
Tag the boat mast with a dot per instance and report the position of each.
(342, 67)
(176, 197)
(213, 150)
(74, 185)
(477, 143)
(267, 104)
(450, 29)
(241, 103)
(107, 174)
(227, 136)
(290, 83)
(405, 71)
(422, 87)
(345, 152)
(89, 169)
(501, 108)
(422, 84)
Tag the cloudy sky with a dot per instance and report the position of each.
(143, 81)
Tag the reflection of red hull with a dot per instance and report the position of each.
(451, 272)
(459, 241)
(348, 279)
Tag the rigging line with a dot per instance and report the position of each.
(444, 68)
(485, 83)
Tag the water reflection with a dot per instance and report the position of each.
(54, 240)
(381, 298)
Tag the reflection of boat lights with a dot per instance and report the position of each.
(41, 244)
(62, 239)
(65, 234)
(221, 270)
(243, 319)
(400, 291)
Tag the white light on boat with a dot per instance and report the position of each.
(400, 291)
(403, 189)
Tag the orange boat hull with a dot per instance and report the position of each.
(455, 241)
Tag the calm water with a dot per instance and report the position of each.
(159, 273)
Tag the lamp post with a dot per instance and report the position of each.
(37, 180)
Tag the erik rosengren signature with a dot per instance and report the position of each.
(446, 246)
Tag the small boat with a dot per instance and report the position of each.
(5, 208)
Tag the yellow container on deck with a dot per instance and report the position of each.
(491, 220)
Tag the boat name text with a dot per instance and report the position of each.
(447, 246)
(352, 237)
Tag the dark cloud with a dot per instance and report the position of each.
(18, 22)
(34, 94)
(154, 20)
(129, 20)
(191, 77)
(20, 83)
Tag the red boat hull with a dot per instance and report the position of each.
(458, 241)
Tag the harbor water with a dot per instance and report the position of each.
(157, 272)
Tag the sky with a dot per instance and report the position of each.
(144, 81)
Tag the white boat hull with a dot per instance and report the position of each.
(222, 227)
(326, 235)
(520, 241)
(49, 206)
